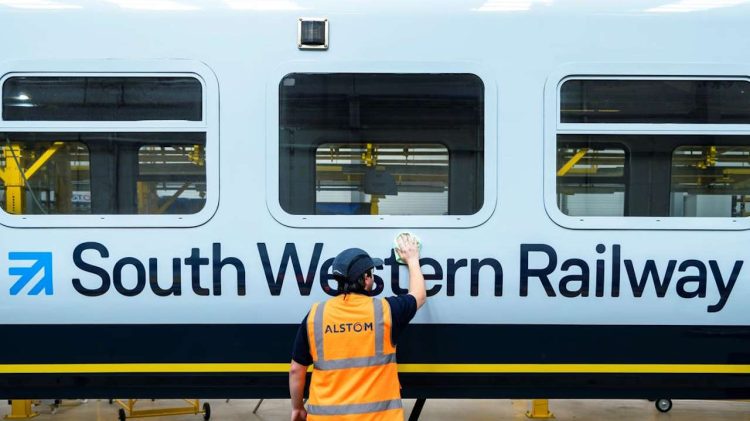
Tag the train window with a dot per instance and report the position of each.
(710, 180)
(385, 144)
(131, 143)
(688, 168)
(591, 179)
(57, 173)
(95, 98)
(375, 179)
(655, 101)
(103, 173)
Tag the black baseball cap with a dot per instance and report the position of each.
(352, 263)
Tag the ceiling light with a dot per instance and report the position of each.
(509, 5)
(263, 5)
(37, 4)
(683, 6)
(153, 5)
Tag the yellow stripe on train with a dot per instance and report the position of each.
(404, 368)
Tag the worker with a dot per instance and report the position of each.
(351, 341)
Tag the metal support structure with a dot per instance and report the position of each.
(370, 159)
(42, 159)
(194, 407)
(13, 179)
(196, 156)
(163, 208)
(147, 198)
(573, 161)
(257, 406)
(374, 205)
(370, 155)
(709, 160)
(13, 175)
(539, 409)
(417, 410)
(20, 410)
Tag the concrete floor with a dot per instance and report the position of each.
(434, 410)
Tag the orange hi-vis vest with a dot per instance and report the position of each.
(355, 376)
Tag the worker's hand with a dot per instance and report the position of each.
(408, 249)
(299, 414)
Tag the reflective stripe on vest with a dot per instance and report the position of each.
(379, 359)
(379, 326)
(319, 330)
(355, 362)
(356, 377)
(360, 408)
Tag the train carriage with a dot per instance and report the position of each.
(176, 177)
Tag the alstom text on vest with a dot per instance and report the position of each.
(541, 268)
(348, 327)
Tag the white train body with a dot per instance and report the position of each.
(525, 295)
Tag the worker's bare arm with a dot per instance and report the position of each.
(297, 379)
(408, 249)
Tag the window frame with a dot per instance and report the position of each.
(490, 189)
(553, 126)
(209, 124)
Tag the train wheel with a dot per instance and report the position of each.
(206, 411)
(663, 405)
(121, 414)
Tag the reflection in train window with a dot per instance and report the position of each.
(112, 98)
(57, 174)
(655, 101)
(710, 180)
(591, 179)
(375, 179)
(663, 173)
(386, 144)
(103, 173)
(653, 175)
(138, 147)
(171, 179)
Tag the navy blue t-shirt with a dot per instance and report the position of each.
(403, 309)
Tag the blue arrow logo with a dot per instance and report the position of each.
(42, 264)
